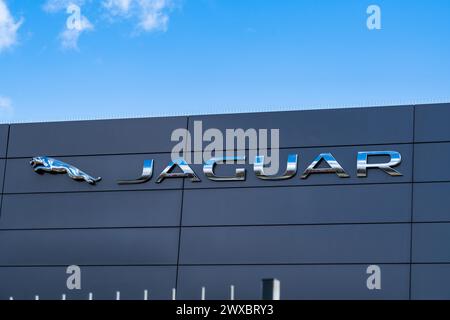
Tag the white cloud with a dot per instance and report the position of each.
(76, 22)
(152, 15)
(8, 27)
(117, 7)
(6, 107)
(58, 5)
(69, 37)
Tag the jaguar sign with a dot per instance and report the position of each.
(46, 164)
(179, 168)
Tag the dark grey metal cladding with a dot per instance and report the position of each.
(91, 210)
(346, 156)
(93, 137)
(430, 162)
(430, 281)
(430, 242)
(323, 127)
(297, 281)
(89, 247)
(2, 170)
(20, 177)
(3, 139)
(431, 202)
(359, 221)
(432, 123)
(385, 243)
(298, 205)
(23, 283)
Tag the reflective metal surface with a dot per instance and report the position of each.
(335, 167)
(46, 164)
(147, 172)
(182, 164)
(362, 165)
(291, 168)
(208, 169)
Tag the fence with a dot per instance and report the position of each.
(270, 290)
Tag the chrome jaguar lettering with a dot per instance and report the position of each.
(187, 172)
(46, 164)
(208, 169)
(291, 168)
(147, 172)
(333, 167)
(362, 165)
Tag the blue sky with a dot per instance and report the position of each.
(166, 57)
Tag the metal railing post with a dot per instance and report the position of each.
(270, 289)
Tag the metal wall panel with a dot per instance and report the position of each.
(430, 281)
(297, 281)
(3, 139)
(23, 283)
(385, 243)
(75, 138)
(431, 202)
(430, 242)
(89, 247)
(430, 162)
(298, 205)
(91, 210)
(431, 123)
(334, 127)
(2, 170)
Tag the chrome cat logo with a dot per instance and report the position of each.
(46, 164)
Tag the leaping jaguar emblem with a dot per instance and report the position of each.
(46, 164)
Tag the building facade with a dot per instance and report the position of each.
(318, 235)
